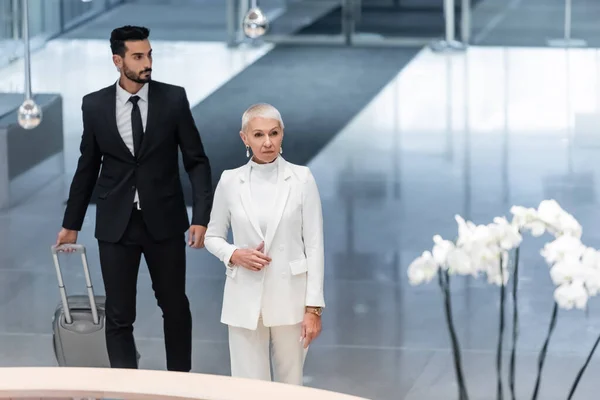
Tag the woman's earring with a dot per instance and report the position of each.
(281, 150)
(247, 151)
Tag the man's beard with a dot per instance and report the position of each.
(137, 77)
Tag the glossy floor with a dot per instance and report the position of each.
(471, 134)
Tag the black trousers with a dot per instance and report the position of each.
(166, 261)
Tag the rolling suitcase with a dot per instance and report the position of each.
(79, 321)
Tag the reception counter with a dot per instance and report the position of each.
(99, 383)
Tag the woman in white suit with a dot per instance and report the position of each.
(274, 287)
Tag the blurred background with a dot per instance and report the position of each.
(406, 115)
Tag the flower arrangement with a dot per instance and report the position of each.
(486, 250)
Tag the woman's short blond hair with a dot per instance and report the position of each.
(262, 110)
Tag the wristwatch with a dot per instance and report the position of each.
(315, 310)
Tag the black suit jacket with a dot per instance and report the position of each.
(154, 172)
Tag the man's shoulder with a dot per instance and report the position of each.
(98, 94)
(167, 87)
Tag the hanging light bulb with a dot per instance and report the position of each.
(30, 114)
(255, 22)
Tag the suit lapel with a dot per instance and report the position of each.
(111, 118)
(154, 102)
(283, 192)
(246, 198)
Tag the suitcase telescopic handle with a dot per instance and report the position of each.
(77, 249)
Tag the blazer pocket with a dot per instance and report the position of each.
(104, 192)
(299, 266)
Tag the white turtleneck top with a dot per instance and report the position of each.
(263, 186)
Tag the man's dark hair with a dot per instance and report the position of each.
(126, 33)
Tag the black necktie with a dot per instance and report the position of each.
(136, 125)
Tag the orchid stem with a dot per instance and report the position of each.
(544, 350)
(499, 390)
(582, 370)
(444, 281)
(515, 331)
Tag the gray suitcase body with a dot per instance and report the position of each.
(80, 343)
(79, 321)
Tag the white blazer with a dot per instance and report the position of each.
(293, 240)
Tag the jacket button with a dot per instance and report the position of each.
(133, 188)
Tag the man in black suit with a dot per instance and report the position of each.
(133, 130)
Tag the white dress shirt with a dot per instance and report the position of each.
(263, 184)
(123, 108)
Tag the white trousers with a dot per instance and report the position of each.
(251, 355)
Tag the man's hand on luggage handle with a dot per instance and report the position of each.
(196, 236)
(66, 236)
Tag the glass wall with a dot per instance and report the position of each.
(531, 23)
(7, 31)
(76, 11)
(347, 22)
(47, 19)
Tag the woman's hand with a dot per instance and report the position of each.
(311, 328)
(252, 259)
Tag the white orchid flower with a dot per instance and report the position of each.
(441, 249)
(571, 295)
(423, 269)
(557, 220)
(528, 219)
(564, 247)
